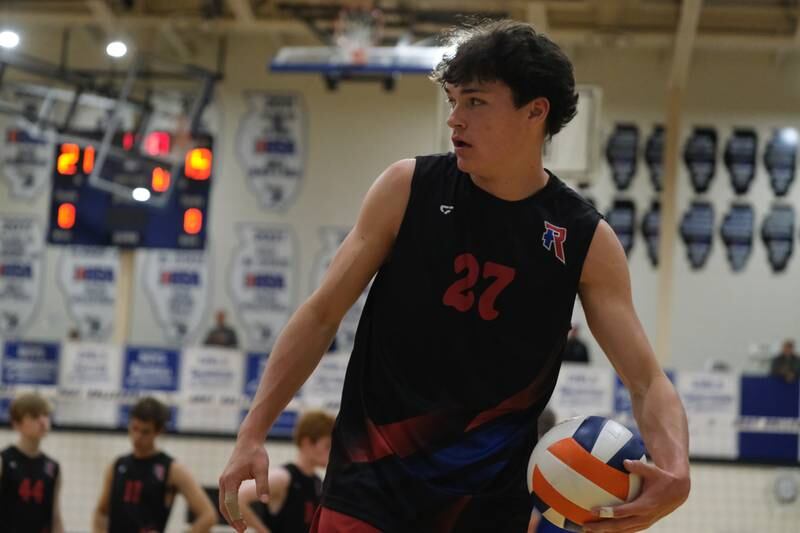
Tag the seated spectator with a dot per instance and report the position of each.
(786, 365)
(575, 350)
(221, 334)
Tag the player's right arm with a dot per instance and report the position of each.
(100, 519)
(311, 329)
(279, 480)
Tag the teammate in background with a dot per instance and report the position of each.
(294, 488)
(139, 488)
(30, 481)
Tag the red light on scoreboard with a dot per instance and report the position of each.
(128, 139)
(157, 143)
(159, 181)
(66, 216)
(67, 162)
(198, 164)
(88, 159)
(192, 221)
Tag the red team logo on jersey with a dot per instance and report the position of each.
(554, 237)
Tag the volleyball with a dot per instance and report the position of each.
(578, 466)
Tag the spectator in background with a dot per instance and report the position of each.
(221, 334)
(575, 350)
(786, 365)
(74, 335)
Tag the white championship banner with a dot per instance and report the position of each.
(87, 276)
(583, 390)
(177, 285)
(332, 238)
(21, 272)
(210, 385)
(89, 384)
(27, 159)
(323, 389)
(262, 281)
(271, 145)
(712, 404)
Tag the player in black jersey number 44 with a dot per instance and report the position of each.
(478, 257)
(30, 481)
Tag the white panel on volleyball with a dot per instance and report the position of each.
(611, 439)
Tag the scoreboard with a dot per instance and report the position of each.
(83, 214)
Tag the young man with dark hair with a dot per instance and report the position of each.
(294, 488)
(139, 488)
(30, 481)
(479, 256)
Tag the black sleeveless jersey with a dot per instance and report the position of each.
(456, 353)
(27, 492)
(297, 511)
(140, 497)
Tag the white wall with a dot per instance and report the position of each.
(717, 314)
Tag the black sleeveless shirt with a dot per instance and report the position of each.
(140, 497)
(297, 511)
(456, 353)
(27, 491)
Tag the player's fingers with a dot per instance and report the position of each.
(221, 501)
(261, 474)
(646, 470)
(231, 503)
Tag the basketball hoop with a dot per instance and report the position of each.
(357, 29)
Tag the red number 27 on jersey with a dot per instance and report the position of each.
(460, 294)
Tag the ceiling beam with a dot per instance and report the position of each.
(797, 28)
(242, 10)
(103, 16)
(685, 38)
(567, 37)
(195, 24)
(536, 16)
(607, 12)
(175, 41)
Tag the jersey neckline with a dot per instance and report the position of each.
(549, 187)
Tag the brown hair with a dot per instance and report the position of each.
(28, 404)
(314, 425)
(529, 63)
(151, 410)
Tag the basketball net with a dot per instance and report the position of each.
(357, 29)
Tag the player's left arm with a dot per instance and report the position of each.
(196, 498)
(58, 523)
(605, 292)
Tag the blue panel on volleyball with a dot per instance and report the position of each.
(377, 60)
(770, 396)
(772, 447)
